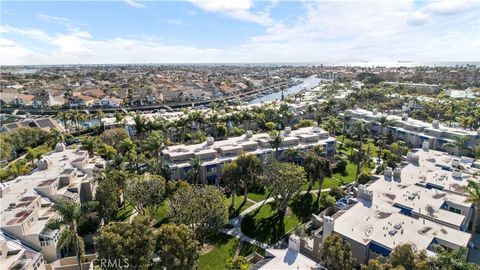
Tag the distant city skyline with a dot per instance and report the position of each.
(241, 31)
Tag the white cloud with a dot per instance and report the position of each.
(449, 7)
(134, 3)
(374, 31)
(7, 42)
(238, 9)
(59, 20)
(223, 5)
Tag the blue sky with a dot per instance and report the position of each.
(201, 31)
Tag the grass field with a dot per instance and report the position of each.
(238, 206)
(224, 248)
(266, 225)
(124, 213)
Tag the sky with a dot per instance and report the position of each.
(238, 31)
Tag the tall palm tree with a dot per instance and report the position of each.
(345, 119)
(140, 125)
(473, 196)
(276, 140)
(69, 215)
(317, 167)
(194, 172)
(359, 131)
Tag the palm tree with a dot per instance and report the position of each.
(276, 140)
(140, 125)
(317, 168)
(53, 137)
(64, 117)
(384, 122)
(293, 153)
(345, 119)
(194, 172)
(69, 215)
(473, 196)
(359, 131)
(90, 144)
(460, 142)
(118, 118)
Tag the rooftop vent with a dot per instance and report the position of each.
(404, 117)
(249, 134)
(435, 124)
(210, 140)
(60, 147)
(287, 130)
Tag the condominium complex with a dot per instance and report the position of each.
(26, 202)
(421, 203)
(214, 154)
(415, 132)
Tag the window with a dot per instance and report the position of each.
(455, 210)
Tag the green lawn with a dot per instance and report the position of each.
(348, 150)
(238, 206)
(161, 213)
(265, 225)
(224, 248)
(258, 196)
(124, 213)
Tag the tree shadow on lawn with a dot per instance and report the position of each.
(267, 230)
(235, 212)
(304, 205)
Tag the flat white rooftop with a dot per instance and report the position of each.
(288, 259)
(380, 220)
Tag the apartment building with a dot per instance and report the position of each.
(26, 202)
(15, 255)
(422, 203)
(214, 154)
(415, 132)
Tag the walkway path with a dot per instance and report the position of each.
(236, 222)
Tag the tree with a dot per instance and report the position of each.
(404, 256)
(335, 255)
(450, 260)
(276, 140)
(69, 215)
(108, 197)
(176, 247)
(129, 244)
(113, 136)
(140, 125)
(89, 144)
(231, 178)
(283, 180)
(460, 143)
(201, 208)
(317, 168)
(327, 200)
(473, 196)
(146, 192)
(250, 167)
(194, 172)
(292, 153)
(155, 143)
(238, 263)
